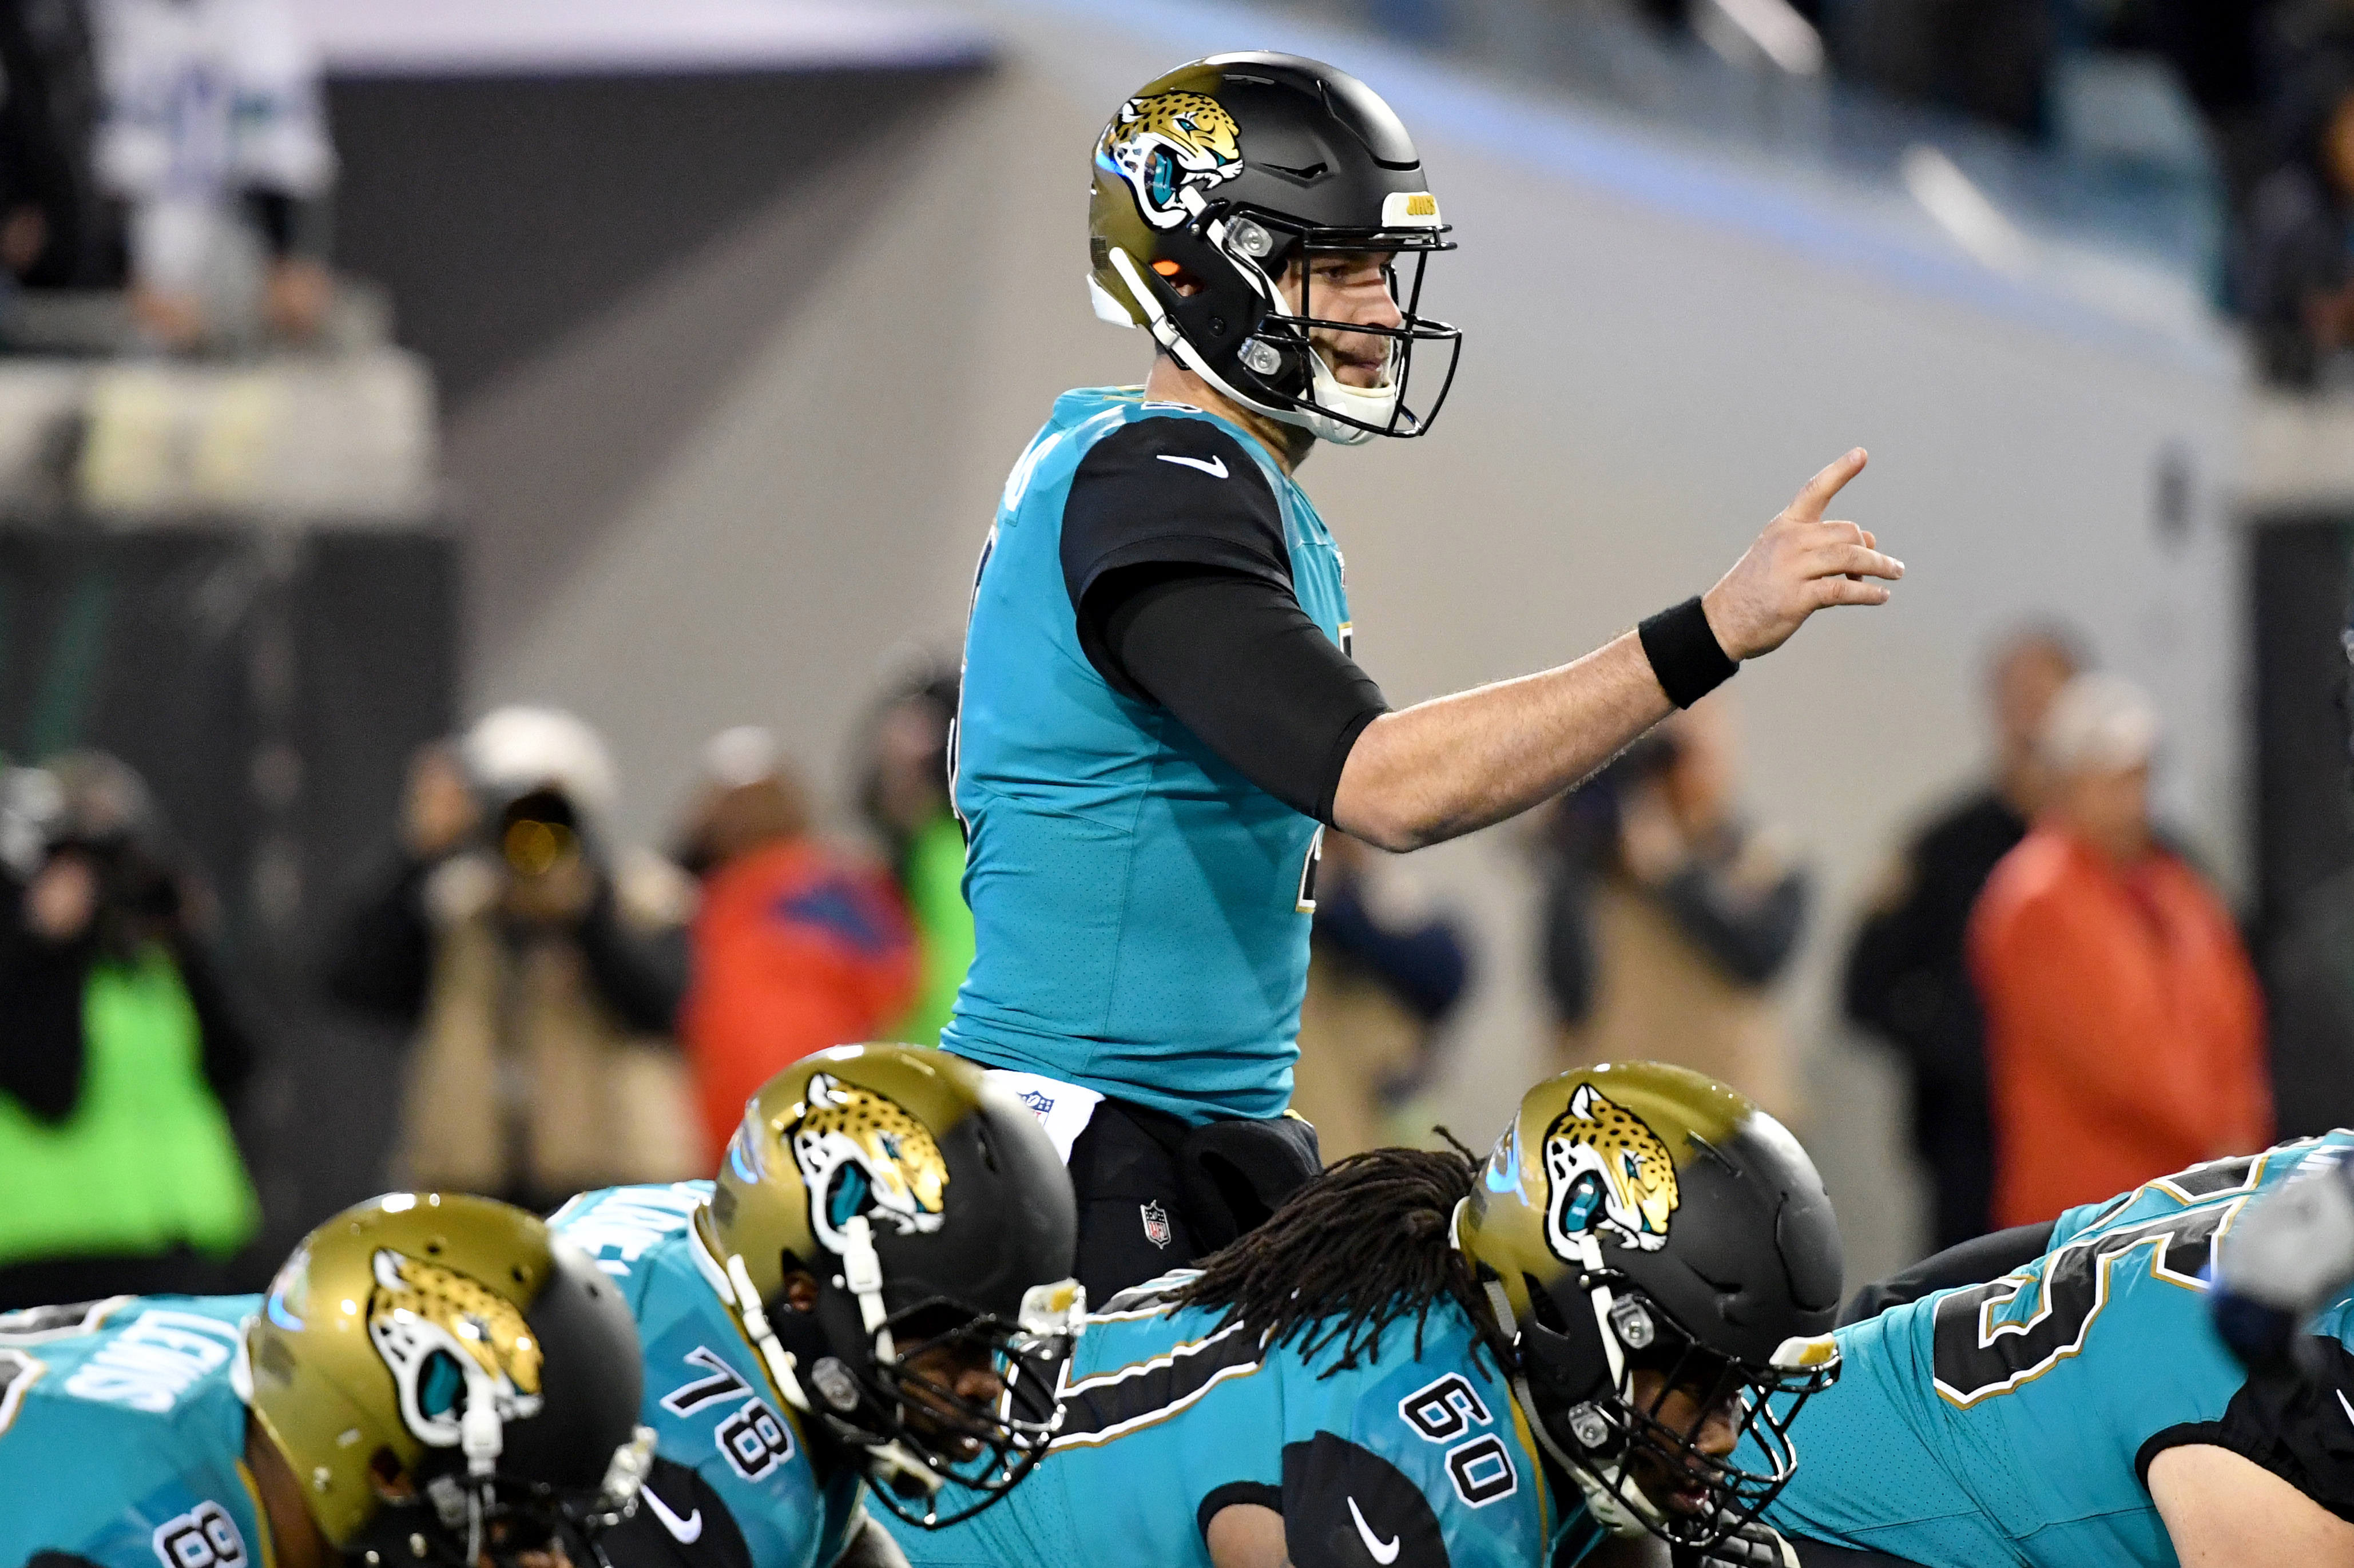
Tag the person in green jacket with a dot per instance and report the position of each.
(905, 797)
(119, 1054)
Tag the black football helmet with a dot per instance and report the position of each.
(1226, 172)
(1640, 1218)
(457, 1346)
(938, 1225)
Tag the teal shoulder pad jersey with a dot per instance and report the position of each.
(122, 1434)
(2014, 1422)
(1413, 1461)
(708, 1398)
(1140, 909)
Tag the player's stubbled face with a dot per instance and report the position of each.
(1352, 288)
(962, 1369)
(1712, 1431)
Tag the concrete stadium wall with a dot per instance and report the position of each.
(1659, 350)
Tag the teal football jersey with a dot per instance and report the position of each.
(1140, 909)
(708, 1397)
(2013, 1422)
(122, 1434)
(1414, 1461)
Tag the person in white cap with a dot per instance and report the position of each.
(539, 965)
(2125, 1029)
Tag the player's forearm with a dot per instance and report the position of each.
(1456, 763)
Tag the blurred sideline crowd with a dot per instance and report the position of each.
(2253, 102)
(2071, 998)
(166, 178)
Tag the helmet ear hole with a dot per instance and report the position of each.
(1542, 1306)
(391, 1480)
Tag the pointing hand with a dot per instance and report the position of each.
(1799, 564)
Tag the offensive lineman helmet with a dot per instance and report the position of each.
(1640, 1218)
(446, 1378)
(936, 1220)
(1222, 174)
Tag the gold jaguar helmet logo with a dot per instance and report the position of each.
(443, 1335)
(1605, 1171)
(862, 1153)
(1168, 147)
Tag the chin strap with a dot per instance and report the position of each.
(1375, 404)
(779, 1360)
(1617, 1503)
(863, 1273)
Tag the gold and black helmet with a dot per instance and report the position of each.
(1221, 175)
(1640, 1223)
(445, 1378)
(929, 1224)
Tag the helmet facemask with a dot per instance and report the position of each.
(897, 1399)
(1639, 1468)
(882, 1383)
(1241, 334)
(458, 1520)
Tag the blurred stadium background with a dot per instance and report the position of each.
(679, 350)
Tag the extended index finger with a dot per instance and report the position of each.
(1819, 491)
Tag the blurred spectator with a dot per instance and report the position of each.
(212, 134)
(797, 947)
(2311, 991)
(2296, 280)
(2124, 1027)
(1384, 976)
(1988, 58)
(40, 227)
(1669, 917)
(1907, 977)
(120, 1057)
(905, 797)
(541, 974)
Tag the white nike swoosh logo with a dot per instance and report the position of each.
(687, 1531)
(1384, 1551)
(2343, 1406)
(1216, 469)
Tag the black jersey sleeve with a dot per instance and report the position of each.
(2293, 1421)
(1968, 1263)
(1171, 492)
(1243, 668)
(1173, 556)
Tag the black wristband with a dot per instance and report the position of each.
(1684, 653)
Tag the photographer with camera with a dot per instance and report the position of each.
(1668, 916)
(541, 976)
(120, 1057)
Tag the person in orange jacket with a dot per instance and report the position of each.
(2125, 1028)
(795, 947)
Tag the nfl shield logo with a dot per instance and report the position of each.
(1156, 1223)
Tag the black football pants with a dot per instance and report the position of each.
(1155, 1193)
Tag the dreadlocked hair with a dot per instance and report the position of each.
(1366, 1245)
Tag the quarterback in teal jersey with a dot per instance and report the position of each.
(883, 1253)
(2071, 1406)
(1162, 712)
(1424, 1360)
(432, 1379)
